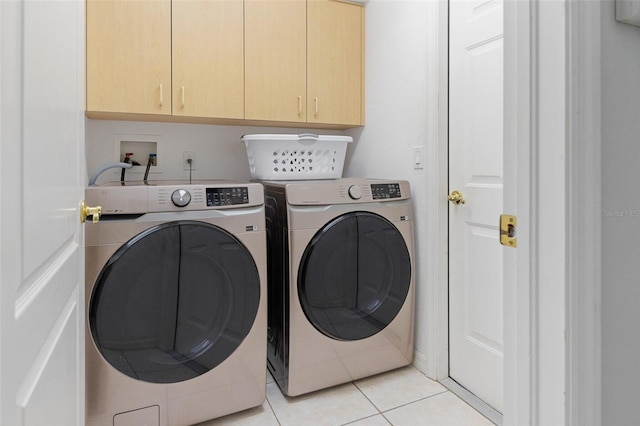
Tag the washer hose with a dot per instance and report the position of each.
(94, 177)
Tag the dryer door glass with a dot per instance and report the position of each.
(174, 302)
(354, 276)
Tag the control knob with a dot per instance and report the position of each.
(355, 192)
(181, 197)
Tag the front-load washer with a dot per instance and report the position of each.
(175, 302)
(340, 280)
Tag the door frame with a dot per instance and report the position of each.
(584, 159)
(537, 388)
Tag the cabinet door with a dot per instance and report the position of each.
(208, 58)
(129, 56)
(275, 68)
(335, 51)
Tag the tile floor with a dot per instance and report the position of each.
(404, 397)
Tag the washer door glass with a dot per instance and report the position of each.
(174, 302)
(354, 276)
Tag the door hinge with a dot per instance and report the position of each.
(508, 225)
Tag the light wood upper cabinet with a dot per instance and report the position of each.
(208, 63)
(335, 62)
(129, 56)
(304, 61)
(275, 51)
(296, 63)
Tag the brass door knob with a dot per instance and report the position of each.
(85, 211)
(456, 197)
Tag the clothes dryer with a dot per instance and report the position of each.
(341, 280)
(175, 302)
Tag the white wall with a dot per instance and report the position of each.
(220, 154)
(401, 112)
(621, 220)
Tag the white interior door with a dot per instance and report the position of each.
(41, 239)
(476, 170)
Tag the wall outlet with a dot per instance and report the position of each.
(186, 156)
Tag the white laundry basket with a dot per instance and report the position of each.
(296, 157)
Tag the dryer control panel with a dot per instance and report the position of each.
(382, 191)
(344, 191)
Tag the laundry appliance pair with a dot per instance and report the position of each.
(177, 281)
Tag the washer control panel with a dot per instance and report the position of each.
(382, 191)
(229, 196)
(135, 198)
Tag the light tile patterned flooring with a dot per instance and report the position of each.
(403, 397)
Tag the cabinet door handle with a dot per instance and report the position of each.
(299, 105)
(182, 96)
(315, 100)
(161, 95)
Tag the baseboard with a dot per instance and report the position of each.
(421, 363)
